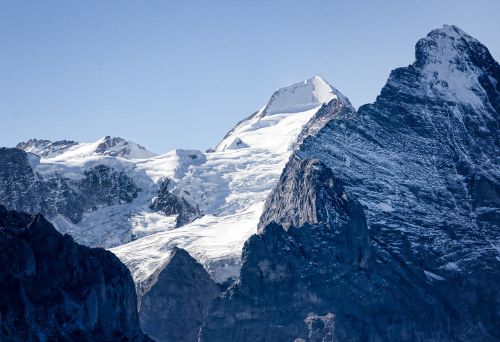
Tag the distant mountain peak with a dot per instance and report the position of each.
(300, 96)
(119, 147)
(293, 100)
(46, 148)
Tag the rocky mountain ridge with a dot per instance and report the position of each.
(382, 225)
(420, 167)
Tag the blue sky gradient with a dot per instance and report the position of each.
(179, 74)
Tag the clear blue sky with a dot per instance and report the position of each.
(179, 74)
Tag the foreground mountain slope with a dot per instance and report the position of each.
(54, 289)
(388, 218)
(175, 299)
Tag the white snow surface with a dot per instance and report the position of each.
(230, 188)
(228, 184)
(300, 96)
(215, 241)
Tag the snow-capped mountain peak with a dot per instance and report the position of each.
(119, 147)
(300, 96)
(448, 45)
(287, 106)
(453, 63)
(45, 148)
(106, 146)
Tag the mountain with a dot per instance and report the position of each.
(373, 224)
(24, 188)
(384, 225)
(229, 186)
(113, 191)
(296, 98)
(46, 148)
(176, 298)
(107, 146)
(53, 289)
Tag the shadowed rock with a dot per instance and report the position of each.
(175, 299)
(52, 289)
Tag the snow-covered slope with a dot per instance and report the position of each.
(230, 186)
(113, 191)
(299, 97)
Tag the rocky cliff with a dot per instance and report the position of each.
(420, 169)
(53, 289)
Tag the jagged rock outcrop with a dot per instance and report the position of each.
(24, 189)
(237, 143)
(102, 185)
(170, 204)
(175, 299)
(52, 289)
(422, 163)
(308, 192)
(119, 147)
(46, 148)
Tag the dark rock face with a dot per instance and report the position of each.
(105, 186)
(175, 299)
(422, 164)
(170, 204)
(45, 148)
(23, 189)
(52, 289)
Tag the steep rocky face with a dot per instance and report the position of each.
(316, 282)
(46, 148)
(24, 189)
(170, 204)
(417, 156)
(422, 162)
(54, 289)
(175, 299)
(105, 186)
(308, 192)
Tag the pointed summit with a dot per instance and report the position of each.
(297, 102)
(450, 65)
(300, 96)
(450, 45)
(119, 147)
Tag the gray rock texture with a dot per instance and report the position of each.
(388, 219)
(52, 289)
(24, 189)
(175, 299)
(170, 204)
(46, 148)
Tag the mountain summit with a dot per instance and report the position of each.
(384, 225)
(300, 96)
